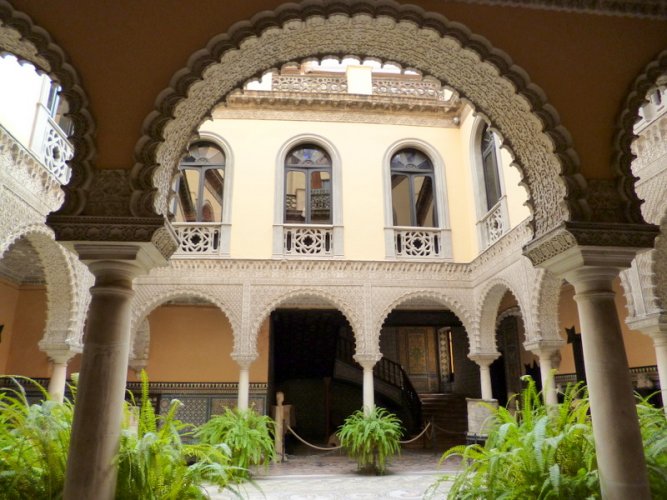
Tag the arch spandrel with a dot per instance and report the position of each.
(149, 297)
(265, 299)
(388, 31)
(386, 299)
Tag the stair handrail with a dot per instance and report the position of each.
(387, 371)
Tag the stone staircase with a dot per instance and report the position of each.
(449, 414)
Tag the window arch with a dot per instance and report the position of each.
(201, 204)
(200, 184)
(490, 199)
(308, 186)
(415, 202)
(412, 184)
(490, 167)
(308, 214)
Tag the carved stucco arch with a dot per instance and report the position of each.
(398, 297)
(67, 289)
(625, 135)
(270, 298)
(545, 307)
(29, 42)
(385, 30)
(487, 310)
(149, 297)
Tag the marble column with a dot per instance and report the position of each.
(655, 326)
(58, 379)
(618, 441)
(484, 361)
(91, 469)
(545, 350)
(367, 362)
(244, 362)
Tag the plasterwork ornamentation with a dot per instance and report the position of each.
(347, 299)
(386, 299)
(150, 296)
(388, 31)
(34, 44)
(625, 135)
(16, 220)
(23, 174)
(109, 193)
(116, 229)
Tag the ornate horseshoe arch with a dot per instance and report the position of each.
(31, 43)
(386, 30)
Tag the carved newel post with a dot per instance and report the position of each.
(367, 362)
(244, 361)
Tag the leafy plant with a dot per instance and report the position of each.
(248, 435)
(155, 463)
(34, 441)
(544, 452)
(371, 438)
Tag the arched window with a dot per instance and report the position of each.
(413, 203)
(308, 189)
(490, 171)
(200, 184)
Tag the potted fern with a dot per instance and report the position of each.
(370, 438)
(247, 434)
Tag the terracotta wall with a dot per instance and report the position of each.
(639, 347)
(194, 343)
(23, 331)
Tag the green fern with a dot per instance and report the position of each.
(371, 438)
(248, 436)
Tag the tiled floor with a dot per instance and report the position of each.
(328, 476)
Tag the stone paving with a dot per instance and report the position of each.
(329, 476)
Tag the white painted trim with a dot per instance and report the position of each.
(336, 187)
(227, 190)
(440, 192)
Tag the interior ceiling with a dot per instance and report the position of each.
(127, 51)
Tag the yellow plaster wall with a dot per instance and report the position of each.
(194, 343)
(20, 88)
(362, 149)
(639, 347)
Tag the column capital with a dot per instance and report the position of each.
(118, 260)
(367, 360)
(154, 234)
(244, 360)
(484, 359)
(544, 347)
(59, 354)
(583, 244)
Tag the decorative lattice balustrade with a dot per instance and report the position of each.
(421, 242)
(310, 84)
(310, 240)
(651, 145)
(394, 87)
(57, 151)
(494, 224)
(198, 239)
